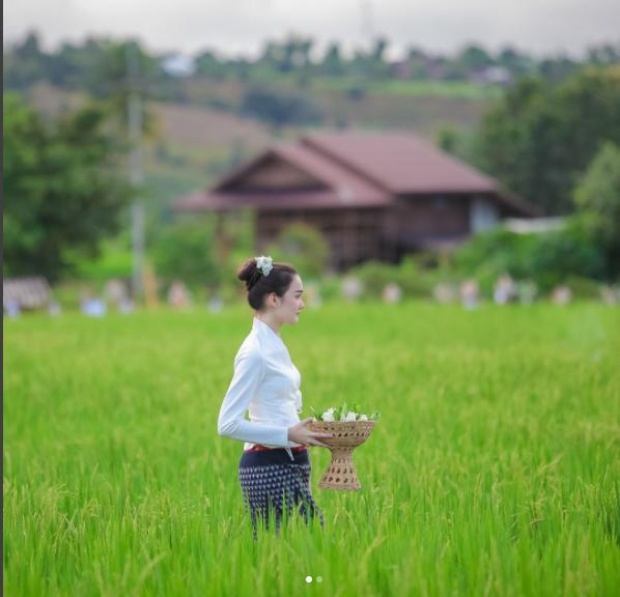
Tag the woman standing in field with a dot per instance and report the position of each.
(275, 468)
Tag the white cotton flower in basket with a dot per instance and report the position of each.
(348, 429)
(328, 415)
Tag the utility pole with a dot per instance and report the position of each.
(136, 177)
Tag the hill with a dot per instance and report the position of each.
(194, 144)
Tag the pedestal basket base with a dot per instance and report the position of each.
(341, 473)
(345, 437)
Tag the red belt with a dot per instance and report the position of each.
(260, 448)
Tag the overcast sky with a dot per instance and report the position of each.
(241, 26)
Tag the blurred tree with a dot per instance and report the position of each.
(457, 142)
(209, 65)
(604, 54)
(241, 68)
(125, 69)
(91, 65)
(61, 195)
(598, 202)
(332, 64)
(495, 251)
(291, 54)
(75, 67)
(25, 63)
(379, 67)
(370, 64)
(516, 62)
(280, 108)
(549, 259)
(448, 139)
(186, 251)
(304, 247)
(474, 58)
(562, 254)
(539, 138)
(557, 69)
(418, 62)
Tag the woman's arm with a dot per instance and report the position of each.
(231, 423)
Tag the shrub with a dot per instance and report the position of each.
(186, 251)
(584, 288)
(304, 247)
(495, 252)
(563, 254)
(280, 108)
(598, 201)
(375, 275)
(548, 259)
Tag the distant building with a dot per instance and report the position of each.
(25, 294)
(494, 75)
(372, 195)
(178, 65)
(534, 225)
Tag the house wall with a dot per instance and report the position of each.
(357, 235)
(353, 234)
(433, 216)
(484, 213)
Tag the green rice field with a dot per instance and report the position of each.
(493, 470)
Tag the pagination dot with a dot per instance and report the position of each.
(309, 579)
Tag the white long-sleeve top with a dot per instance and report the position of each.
(266, 384)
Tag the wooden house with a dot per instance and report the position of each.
(372, 195)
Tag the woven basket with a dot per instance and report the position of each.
(346, 436)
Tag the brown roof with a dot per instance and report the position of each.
(342, 187)
(347, 184)
(400, 163)
(356, 169)
(340, 180)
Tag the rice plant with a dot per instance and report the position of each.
(493, 470)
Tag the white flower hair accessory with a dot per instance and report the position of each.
(264, 264)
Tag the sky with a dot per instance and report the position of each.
(241, 27)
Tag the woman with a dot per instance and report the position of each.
(275, 468)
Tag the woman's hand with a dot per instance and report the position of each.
(300, 434)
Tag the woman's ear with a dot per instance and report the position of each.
(272, 299)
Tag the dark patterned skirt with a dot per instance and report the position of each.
(275, 487)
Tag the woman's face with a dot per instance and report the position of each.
(290, 305)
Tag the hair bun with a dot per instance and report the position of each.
(249, 273)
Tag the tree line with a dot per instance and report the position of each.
(297, 58)
(540, 137)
